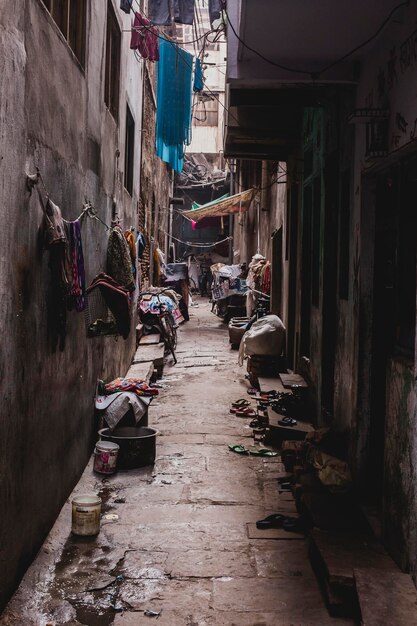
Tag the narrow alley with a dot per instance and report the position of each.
(180, 537)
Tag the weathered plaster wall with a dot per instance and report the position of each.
(400, 465)
(52, 115)
(156, 176)
(387, 82)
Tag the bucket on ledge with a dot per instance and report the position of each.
(86, 511)
(105, 457)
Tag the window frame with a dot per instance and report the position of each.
(129, 151)
(209, 114)
(112, 68)
(66, 13)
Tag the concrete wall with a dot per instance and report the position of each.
(156, 175)
(386, 81)
(52, 115)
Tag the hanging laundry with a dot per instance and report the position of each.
(132, 249)
(160, 12)
(116, 298)
(144, 38)
(215, 8)
(75, 263)
(55, 241)
(173, 112)
(141, 244)
(184, 11)
(198, 76)
(118, 259)
(126, 5)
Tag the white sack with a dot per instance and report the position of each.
(265, 338)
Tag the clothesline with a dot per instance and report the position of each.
(195, 244)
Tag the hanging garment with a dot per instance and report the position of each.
(126, 5)
(160, 12)
(55, 241)
(215, 7)
(132, 249)
(198, 76)
(77, 272)
(184, 11)
(173, 112)
(141, 244)
(118, 259)
(53, 224)
(144, 38)
(117, 300)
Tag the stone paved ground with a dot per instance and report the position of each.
(174, 537)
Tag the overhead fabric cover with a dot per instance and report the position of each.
(218, 208)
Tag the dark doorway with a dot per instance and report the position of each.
(394, 300)
(306, 266)
(329, 320)
(291, 257)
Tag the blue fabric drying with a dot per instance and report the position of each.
(173, 103)
(198, 76)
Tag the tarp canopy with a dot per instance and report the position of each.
(222, 206)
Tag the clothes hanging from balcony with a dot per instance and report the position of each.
(144, 38)
(126, 5)
(160, 12)
(215, 8)
(184, 11)
(198, 77)
(163, 12)
(173, 112)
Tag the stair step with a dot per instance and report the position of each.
(146, 353)
(385, 597)
(148, 340)
(143, 371)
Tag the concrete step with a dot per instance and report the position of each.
(334, 557)
(385, 597)
(151, 353)
(149, 340)
(143, 371)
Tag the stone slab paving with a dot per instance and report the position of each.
(174, 537)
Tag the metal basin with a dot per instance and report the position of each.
(137, 445)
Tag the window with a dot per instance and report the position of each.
(70, 17)
(111, 84)
(129, 150)
(206, 112)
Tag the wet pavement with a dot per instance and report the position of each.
(175, 537)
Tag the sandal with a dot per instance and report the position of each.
(287, 421)
(238, 449)
(247, 412)
(293, 525)
(272, 521)
(240, 403)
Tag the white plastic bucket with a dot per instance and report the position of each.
(86, 511)
(105, 457)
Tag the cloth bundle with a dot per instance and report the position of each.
(135, 385)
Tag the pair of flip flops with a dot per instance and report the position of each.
(276, 520)
(239, 449)
(239, 405)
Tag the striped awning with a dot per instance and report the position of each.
(221, 207)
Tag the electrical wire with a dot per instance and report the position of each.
(316, 74)
(196, 244)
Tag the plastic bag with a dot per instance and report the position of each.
(264, 338)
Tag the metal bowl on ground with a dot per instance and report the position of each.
(137, 445)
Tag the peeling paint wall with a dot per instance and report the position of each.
(156, 176)
(52, 115)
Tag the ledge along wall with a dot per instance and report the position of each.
(52, 114)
